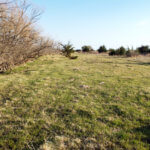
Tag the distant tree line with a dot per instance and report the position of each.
(143, 50)
(121, 51)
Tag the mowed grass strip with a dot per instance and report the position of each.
(94, 102)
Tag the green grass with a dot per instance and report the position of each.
(94, 102)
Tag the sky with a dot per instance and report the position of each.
(112, 23)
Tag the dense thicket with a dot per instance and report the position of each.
(19, 39)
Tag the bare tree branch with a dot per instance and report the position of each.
(19, 40)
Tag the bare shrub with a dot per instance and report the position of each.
(19, 40)
(132, 53)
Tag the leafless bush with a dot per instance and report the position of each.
(19, 40)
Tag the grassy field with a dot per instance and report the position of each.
(94, 102)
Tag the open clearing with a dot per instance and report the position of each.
(94, 102)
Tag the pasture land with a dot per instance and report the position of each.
(94, 102)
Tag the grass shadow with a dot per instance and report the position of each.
(145, 131)
(145, 64)
(128, 63)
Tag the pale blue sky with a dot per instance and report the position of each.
(96, 22)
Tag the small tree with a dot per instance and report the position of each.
(67, 50)
(144, 50)
(112, 52)
(102, 49)
(87, 48)
(128, 53)
(121, 51)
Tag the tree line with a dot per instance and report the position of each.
(143, 50)
(68, 49)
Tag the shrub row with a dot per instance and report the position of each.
(120, 51)
(143, 50)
